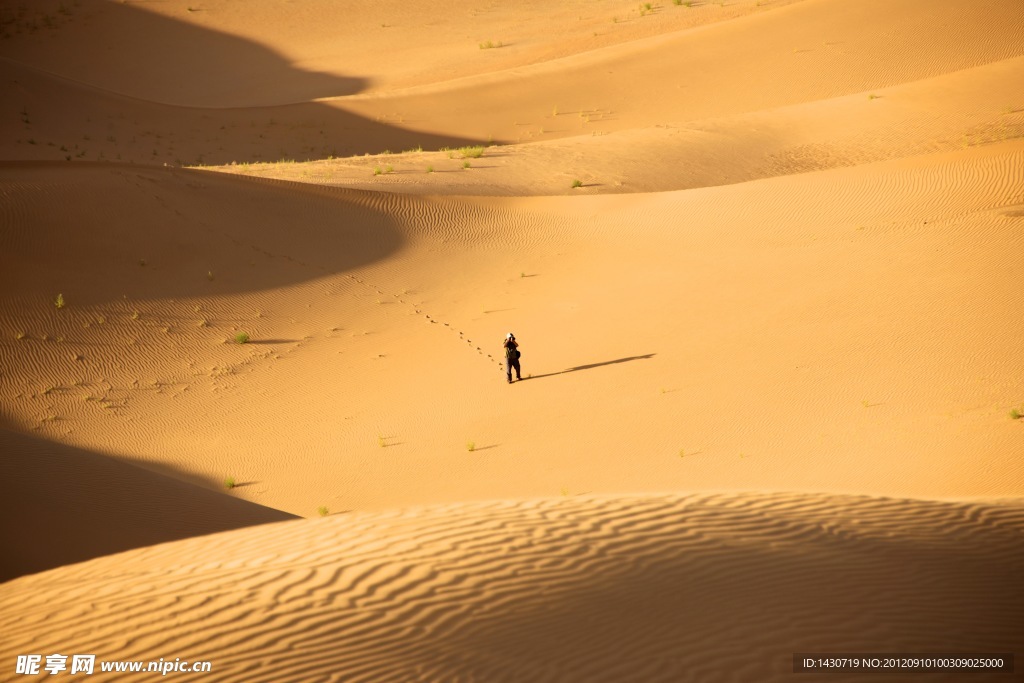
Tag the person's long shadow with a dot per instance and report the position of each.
(592, 365)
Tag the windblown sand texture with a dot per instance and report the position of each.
(763, 258)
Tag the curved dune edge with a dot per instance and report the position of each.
(71, 505)
(641, 587)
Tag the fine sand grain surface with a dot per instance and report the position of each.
(763, 258)
(626, 588)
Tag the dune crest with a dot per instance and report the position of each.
(652, 588)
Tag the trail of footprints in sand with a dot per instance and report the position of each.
(368, 285)
(419, 311)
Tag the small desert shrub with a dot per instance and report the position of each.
(465, 164)
(474, 152)
(1016, 414)
(577, 183)
(323, 511)
(377, 170)
(487, 45)
(209, 275)
(381, 441)
(470, 446)
(430, 169)
(242, 338)
(20, 335)
(59, 301)
(389, 169)
(229, 483)
(873, 96)
(135, 315)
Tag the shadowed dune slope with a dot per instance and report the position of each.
(706, 588)
(62, 505)
(48, 118)
(768, 58)
(106, 232)
(222, 53)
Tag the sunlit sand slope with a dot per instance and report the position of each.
(637, 588)
(963, 109)
(62, 505)
(844, 331)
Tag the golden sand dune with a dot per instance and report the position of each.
(253, 104)
(637, 588)
(963, 109)
(847, 331)
(747, 246)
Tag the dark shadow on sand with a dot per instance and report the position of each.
(60, 504)
(248, 103)
(590, 366)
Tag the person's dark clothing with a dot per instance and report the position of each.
(510, 365)
(512, 360)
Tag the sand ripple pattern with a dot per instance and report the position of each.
(641, 588)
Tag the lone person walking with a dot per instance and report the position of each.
(512, 357)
